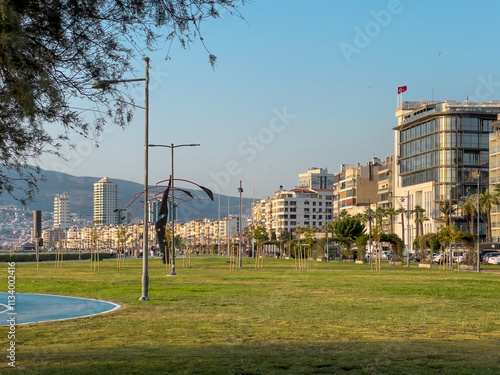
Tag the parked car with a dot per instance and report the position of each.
(386, 255)
(487, 256)
(494, 259)
(439, 258)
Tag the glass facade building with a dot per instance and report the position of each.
(445, 143)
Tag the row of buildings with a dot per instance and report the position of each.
(443, 152)
(106, 211)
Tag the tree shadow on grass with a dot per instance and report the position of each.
(394, 357)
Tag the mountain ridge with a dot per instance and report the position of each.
(81, 190)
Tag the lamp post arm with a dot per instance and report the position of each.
(104, 84)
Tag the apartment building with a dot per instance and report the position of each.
(316, 178)
(208, 231)
(289, 209)
(355, 188)
(105, 202)
(440, 147)
(62, 211)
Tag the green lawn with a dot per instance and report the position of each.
(332, 319)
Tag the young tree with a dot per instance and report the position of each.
(285, 239)
(52, 51)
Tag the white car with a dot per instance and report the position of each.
(437, 258)
(487, 256)
(494, 259)
(386, 255)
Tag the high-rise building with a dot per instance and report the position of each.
(62, 211)
(106, 202)
(440, 147)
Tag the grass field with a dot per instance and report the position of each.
(336, 318)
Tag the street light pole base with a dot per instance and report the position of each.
(144, 298)
(172, 274)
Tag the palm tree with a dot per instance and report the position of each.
(419, 219)
(366, 217)
(469, 208)
(391, 212)
(380, 214)
(447, 209)
(343, 214)
(485, 201)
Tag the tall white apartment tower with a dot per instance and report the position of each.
(62, 211)
(106, 202)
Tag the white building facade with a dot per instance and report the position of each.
(62, 211)
(316, 178)
(106, 202)
(289, 209)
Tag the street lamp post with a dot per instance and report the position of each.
(240, 190)
(407, 197)
(477, 209)
(102, 85)
(171, 147)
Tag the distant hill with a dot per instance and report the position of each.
(81, 191)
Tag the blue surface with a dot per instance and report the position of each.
(36, 308)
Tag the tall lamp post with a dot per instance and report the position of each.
(407, 197)
(477, 209)
(240, 190)
(171, 147)
(105, 84)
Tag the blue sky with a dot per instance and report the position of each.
(297, 85)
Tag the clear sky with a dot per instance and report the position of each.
(298, 84)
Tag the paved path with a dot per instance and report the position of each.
(36, 308)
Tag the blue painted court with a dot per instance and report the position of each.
(36, 308)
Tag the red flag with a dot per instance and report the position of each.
(401, 89)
